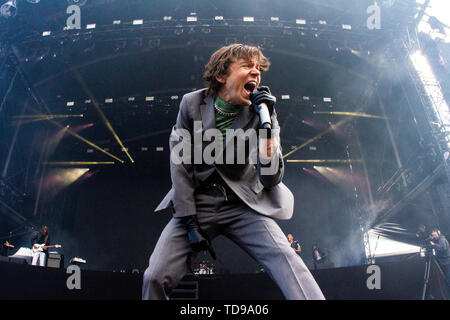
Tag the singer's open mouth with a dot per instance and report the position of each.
(249, 87)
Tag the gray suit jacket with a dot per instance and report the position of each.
(265, 194)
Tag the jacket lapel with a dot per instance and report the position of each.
(207, 113)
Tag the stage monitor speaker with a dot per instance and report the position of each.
(18, 260)
(57, 263)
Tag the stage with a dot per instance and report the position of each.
(400, 280)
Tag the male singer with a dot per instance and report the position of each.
(239, 200)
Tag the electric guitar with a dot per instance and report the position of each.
(42, 247)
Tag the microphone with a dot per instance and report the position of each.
(264, 117)
(261, 100)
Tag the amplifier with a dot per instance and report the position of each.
(55, 260)
(54, 255)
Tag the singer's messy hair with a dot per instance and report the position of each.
(221, 59)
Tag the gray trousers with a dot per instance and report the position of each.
(258, 235)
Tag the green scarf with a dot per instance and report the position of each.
(225, 119)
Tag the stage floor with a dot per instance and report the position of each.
(398, 280)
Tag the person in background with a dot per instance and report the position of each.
(442, 248)
(40, 238)
(421, 233)
(294, 244)
(318, 256)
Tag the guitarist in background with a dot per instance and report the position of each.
(40, 238)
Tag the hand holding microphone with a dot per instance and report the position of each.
(263, 102)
